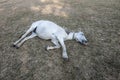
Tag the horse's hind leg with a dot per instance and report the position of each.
(23, 36)
(26, 38)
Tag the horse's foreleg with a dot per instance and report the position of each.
(55, 42)
(64, 53)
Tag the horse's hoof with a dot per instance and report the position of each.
(46, 48)
(65, 59)
(15, 46)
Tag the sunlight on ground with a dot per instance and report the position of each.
(1, 10)
(54, 1)
(55, 7)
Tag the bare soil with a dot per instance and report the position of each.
(98, 19)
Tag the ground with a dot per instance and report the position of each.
(98, 19)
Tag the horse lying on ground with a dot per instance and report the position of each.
(49, 30)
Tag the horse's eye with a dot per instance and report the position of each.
(82, 34)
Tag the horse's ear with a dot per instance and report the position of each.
(66, 30)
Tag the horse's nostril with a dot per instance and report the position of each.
(85, 41)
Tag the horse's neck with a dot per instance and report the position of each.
(70, 36)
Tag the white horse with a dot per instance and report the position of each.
(49, 30)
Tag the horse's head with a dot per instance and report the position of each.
(80, 37)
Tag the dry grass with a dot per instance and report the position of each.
(98, 19)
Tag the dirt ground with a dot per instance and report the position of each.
(98, 19)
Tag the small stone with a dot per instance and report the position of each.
(102, 39)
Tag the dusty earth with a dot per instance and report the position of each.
(98, 19)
